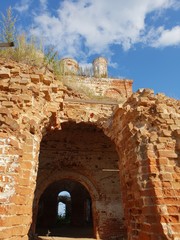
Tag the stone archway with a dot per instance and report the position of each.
(82, 152)
(113, 93)
(79, 220)
(61, 181)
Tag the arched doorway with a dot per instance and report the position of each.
(76, 218)
(81, 153)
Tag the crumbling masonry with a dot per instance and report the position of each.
(125, 157)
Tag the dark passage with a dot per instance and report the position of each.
(75, 221)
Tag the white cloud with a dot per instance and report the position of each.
(22, 6)
(43, 4)
(96, 25)
(168, 37)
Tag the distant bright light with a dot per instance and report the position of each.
(61, 205)
(61, 209)
(64, 193)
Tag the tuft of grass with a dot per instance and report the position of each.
(8, 30)
(29, 51)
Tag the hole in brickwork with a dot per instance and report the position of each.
(64, 205)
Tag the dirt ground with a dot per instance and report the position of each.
(67, 233)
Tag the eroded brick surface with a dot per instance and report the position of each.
(143, 200)
(146, 132)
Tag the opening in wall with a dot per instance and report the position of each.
(64, 207)
(65, 210)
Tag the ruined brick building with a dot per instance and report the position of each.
(117, 154)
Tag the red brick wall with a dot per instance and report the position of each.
(146, 134)
(101, 88)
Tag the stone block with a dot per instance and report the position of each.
(14, 87)
(4, 73)
(167, 133)
(12, 123)
(14, 80)
(24, 81)
(35, 78)
(47, 80)
(167, 153)
(26, 98)
(15, 71)
(7, 104)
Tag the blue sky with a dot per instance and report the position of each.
(140, 38)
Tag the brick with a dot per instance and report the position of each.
(171, 193)
(166, 184)
(13, 220)
(19, 209)
(162, 161)
(26, 165)
(173, 209)
(26, 98)
(15, 87)
(20, 230)
(28, 149)
(167, 133)
(162, 139)
(24, 181)
(21, 190)
(4, 73)
(166, 176)
(14, 80)
(47, 81)
(24, 81)
(15, 71)
(27, 156)
(176, 184)
(167, 153)
(35, 78)
(170, 219)
(171, 200)
(26, 174)
(7, 104)
(5, 233)
(176, 227)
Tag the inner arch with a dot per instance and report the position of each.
(77, 220)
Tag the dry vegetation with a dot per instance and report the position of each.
(31, 51)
